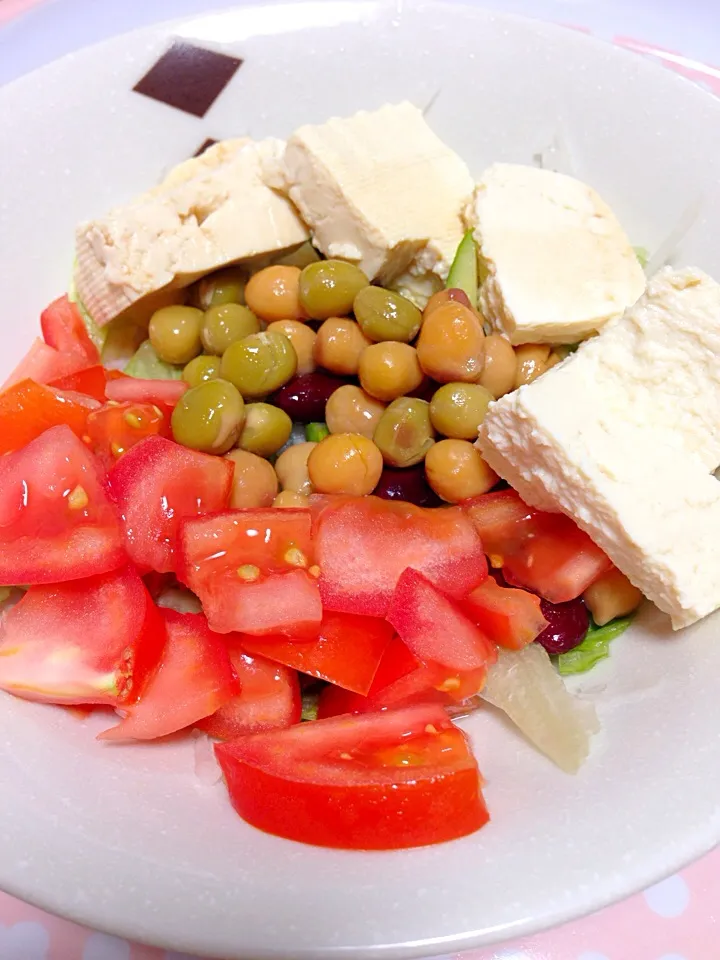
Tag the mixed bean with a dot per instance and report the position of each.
(392, 396)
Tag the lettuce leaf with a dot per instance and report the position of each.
(595, 647)
(146, 365)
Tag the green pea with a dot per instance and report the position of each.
(226, 323)
(200, 369)
(404, 433)
(458, 409)
(175, 333)
(223, 286)
(385, 315)
(259, 364)
(328, 288)
(209, 417)
(315, 432)
(267, 428)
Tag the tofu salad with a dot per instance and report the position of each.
(330, 442)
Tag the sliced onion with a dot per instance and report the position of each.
(525, 685)
(180, 600)
(207, 769)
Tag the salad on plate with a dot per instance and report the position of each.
(330, 443)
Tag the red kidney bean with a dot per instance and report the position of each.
(568, 624)
(407, 484)
(303, 399)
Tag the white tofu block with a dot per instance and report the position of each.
(379, 189)
(209, 212)
(624, 437)
(559, 265)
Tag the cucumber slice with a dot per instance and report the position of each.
(463, 273)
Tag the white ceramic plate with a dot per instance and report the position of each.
(127, 839)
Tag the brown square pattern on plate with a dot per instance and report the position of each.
(189, 78)
(205, 145)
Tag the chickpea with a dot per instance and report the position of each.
(531, 361)
(351, 410)
(612, 595)
(254, 481)
(288, 498)
(345, 463)
(456, 471)
(339, 345)
(302, 338)
(458, 409)
(451, 344)
(274, 293)
(553, 360)
(389, 370)
(500, 367)
(443, 296)
(292, 469)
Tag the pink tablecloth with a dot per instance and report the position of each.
(678, 919)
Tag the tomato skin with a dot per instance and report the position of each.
(145, 391)
(342, 783)
(94, 641)
(157, 485)
(435, 628)
(57, 522)
(63, 330)
(346, 651)
(27, 409)
(44, 364)
(543, 552)
(363, 544)
(269, 697)
(194, 678)
(249, 569)
(510, 617)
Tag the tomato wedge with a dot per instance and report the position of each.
(380, 781)
(434, 628)
(88, 641)
(510, 617)
(27, 409)
(63, 329)
(346, 651)
(145, 391)
(156, 486)
(248, 567)
(57, 522)
(363, 544)
(269, 698)
(194, 678)
(43, 364)
(545, 552)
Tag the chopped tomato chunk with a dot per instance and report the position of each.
(57, 522)
(434, 627)
(269, 698)
(43, 364)
(90, 382)
(145, 391)
(363, 544)
(545, 552)
(249, 569)
(88, 641)
(510, 617)
(64, 330)
(194, 679)
(400, 778)
(27, 409)
(346, 650)
(156, 486)
(116, 428)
